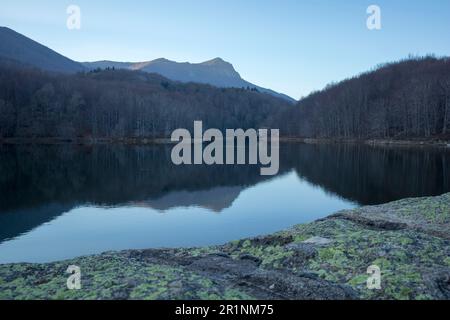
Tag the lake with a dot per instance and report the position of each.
(63, 201)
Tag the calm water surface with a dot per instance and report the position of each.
(58, 202)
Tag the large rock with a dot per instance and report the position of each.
(327, 259)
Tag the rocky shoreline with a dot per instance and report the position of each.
(409, 240)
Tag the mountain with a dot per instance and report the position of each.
(216, 72)
(216, 199)
(14, 46)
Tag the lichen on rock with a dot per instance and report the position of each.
(409, 240)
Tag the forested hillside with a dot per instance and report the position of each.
(408, 99)
(405, 100)
(119, 104)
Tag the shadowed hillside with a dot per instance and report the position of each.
(15, 46)
(408, 99)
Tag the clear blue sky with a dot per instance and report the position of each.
(291, 46)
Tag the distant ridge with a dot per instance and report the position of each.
(216, 72)
(17, 47)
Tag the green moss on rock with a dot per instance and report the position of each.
(412, 257)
